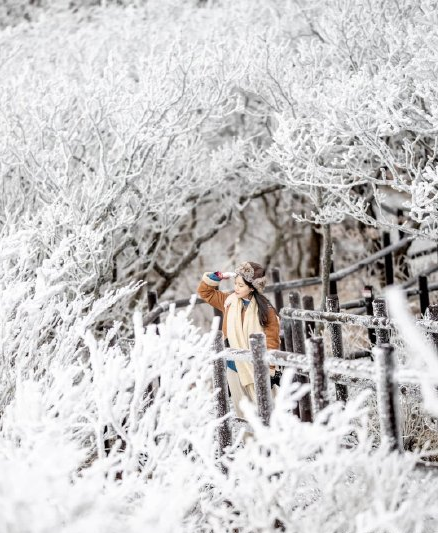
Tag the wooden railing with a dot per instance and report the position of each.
(375, 367)
(308, 359)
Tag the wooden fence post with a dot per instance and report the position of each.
(387, 396)
(299, 347)
(379, 311)
(368, 296)
(333, 287)
(151, 389)
(402, 263)
(309, 326)
(297, 325)
(332, 303)
(279, 304)
(432, 314)
(152, 297)
(287, 334)
(318, 382)
(400, 220)
(221, 401)
(278, 295)
(389, 263)
(289, 347)
(262, 381)
(423, 291)
(335, 330)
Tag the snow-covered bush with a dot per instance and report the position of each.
(86, 447)
(114, 168)
(113, 141)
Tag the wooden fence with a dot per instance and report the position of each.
(309, 361)
(375, 367)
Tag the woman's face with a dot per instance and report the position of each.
(241, 288)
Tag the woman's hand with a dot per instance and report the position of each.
(228, 275)
(218, 276)
(215, 276)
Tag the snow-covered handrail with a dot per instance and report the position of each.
(345, 371)
(369, 322)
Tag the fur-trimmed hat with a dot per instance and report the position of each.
(254, 274)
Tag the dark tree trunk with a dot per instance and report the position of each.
(315, 245)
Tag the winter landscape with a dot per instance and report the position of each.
(146, 142)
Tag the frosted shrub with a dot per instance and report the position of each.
(300, 475)
(352, 101)
(85, 445)
(111, 128)
(56, 472)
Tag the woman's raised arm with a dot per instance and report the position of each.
(207, 290)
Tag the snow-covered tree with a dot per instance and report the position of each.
(353, 99)
(114, 168)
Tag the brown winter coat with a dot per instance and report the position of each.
(208, 292)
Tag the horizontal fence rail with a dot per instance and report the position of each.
(338, 370)
(163, 307)
(352, 320)
(360, 304)
(421, 253)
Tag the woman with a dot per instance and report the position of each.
(246, 311)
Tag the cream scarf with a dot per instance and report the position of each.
(238, 333)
